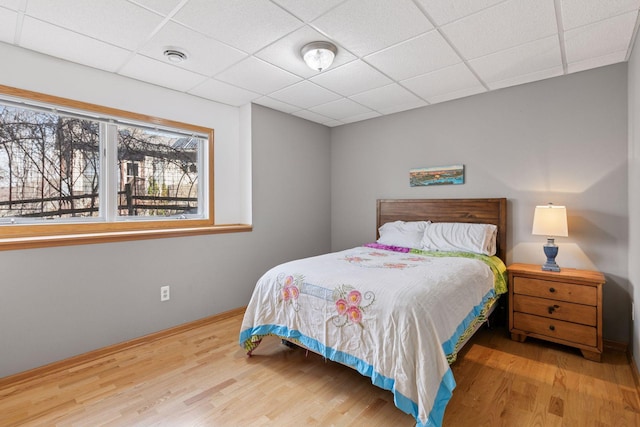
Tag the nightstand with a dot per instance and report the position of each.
(564, 307)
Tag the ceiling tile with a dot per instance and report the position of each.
(248, 25)
(305, 95)
(204, 55)
(503, 26)
(333, 123)
(352, 78)
(526, 78)
(160, 73)
(12, 4)
(527, 58)
(600, 61)
(221, 92)
(446, 80)
(163, 7)
(360, 117)
(310, 115)
(258, 76)
(576, 13)
(386, 97)
(364, 26)
(419, 55)
(457, 94)
(285, 53)
(415, 103)
(116, 21)
(444, 11)
(74, 47)
(340, 109)
(275, 104)
(7, 25)
(308, 10)
(599, 39)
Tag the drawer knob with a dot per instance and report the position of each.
(552, 290)
(552, 328)
(553, 308)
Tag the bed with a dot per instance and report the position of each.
(397, 313)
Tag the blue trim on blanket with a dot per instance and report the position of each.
(443, 396)
(447, 383)
(449, 346)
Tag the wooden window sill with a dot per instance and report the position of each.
(116, 236)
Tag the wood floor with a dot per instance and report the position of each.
(201, 377)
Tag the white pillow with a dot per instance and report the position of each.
(401, 233)
(459, 236)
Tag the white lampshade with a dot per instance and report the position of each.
(318, 55)
(550, 221)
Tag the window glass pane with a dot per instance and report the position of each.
(158, 173)
(49, 165)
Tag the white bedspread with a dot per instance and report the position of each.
(392, 316)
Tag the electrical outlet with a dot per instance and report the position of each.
(165, 293)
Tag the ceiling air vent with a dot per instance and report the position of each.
(175, 55)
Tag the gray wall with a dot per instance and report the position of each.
(59, 302)
(634, 190)
(562, 140)
(291, 189)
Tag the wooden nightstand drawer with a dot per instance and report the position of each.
(568, 331)
(554, 309)
(555, 290)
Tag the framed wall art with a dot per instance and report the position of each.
(438, 175)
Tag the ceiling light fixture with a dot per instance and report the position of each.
(319, 55)
(175, 55)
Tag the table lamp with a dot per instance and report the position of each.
(550, 221)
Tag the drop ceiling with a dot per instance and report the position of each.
(393, 55)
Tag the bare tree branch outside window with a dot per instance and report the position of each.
(158, 173)
(50, 168)
(49, 165)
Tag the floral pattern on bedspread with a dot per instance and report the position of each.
(350, 305)
(376, 259)
(289, 288)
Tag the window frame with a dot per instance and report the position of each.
(21, 236)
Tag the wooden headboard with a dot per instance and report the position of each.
(484, 211)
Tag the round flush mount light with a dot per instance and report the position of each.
(175, 55)
(318, 55)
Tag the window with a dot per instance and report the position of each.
(72, 172)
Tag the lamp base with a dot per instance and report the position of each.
(550, 266)
(550, 250)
